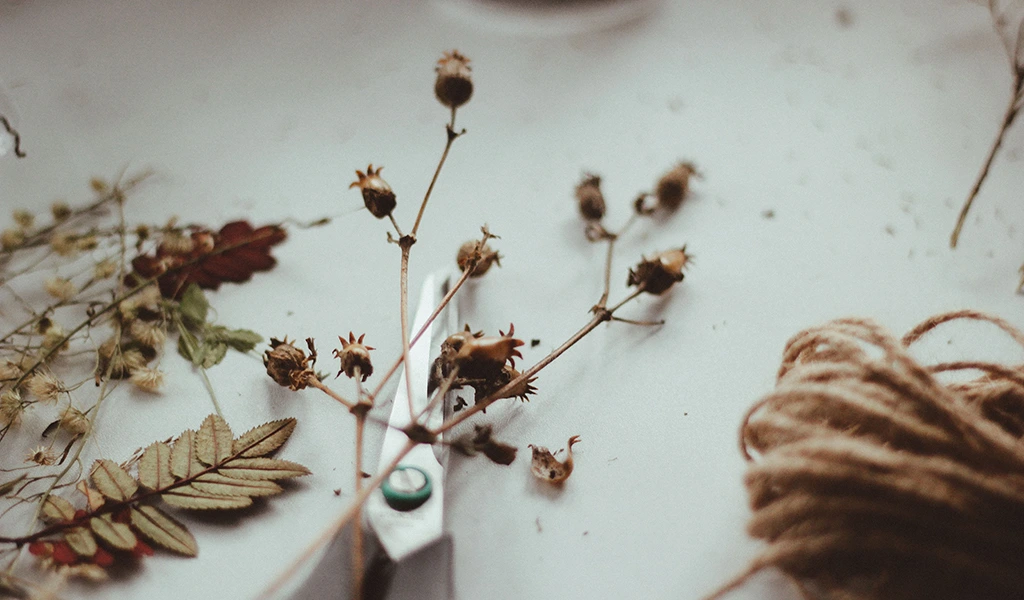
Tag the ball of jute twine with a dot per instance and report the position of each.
(870, 479)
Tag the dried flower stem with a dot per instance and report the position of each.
(357, 532)
(314, 381)
(14, 133)
(452, 136)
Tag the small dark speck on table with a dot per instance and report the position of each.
(534, 343)
(768, 214)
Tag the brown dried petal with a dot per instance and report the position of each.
(548, 468)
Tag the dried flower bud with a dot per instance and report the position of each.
(74, 421)
(10, 407)
(24, 219)
(44, 386)
(147, 379)
(354, 355)
(545, 466)
(87, 242)
(148, 333)
(60, 210)
(98, 185)
(63, 243)
(60, 288)
(589, 198)
(522, 390)
(9, 371)
(674, 185)
(658, 274)
(377, 194)
(485, 257)
(42, 456)
(289, 366)
(454, 84)
(11, 239)
(55, 336)
(104, 269)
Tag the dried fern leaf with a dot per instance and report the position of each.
(112, 481)
(267, 469)
(184, 463)
(118, 535)
(215, 483)
(193, 499)
(264, 439)
(57, 509)
(155, 466)
(213, 441)
(81, 541)
(163, 530)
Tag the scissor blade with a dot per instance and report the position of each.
(402, 533)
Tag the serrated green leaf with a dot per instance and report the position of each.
(193, 499)
(112, 481)
(81, 541)
(221, 485)
(264, 439)
(161, 529)
(155, 466)
(183, 456)
(193, 307)
(262, 469)
(118, 535)
(243, 340)
(57, 509)
(213, 353)
(213, 441)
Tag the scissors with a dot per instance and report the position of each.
(407, 512)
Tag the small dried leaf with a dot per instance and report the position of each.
(57, 509)
(118, 535)
(213, 441)
(183, 456)
(161, 529)
(93, 498)
(262, 469)
(193, 307)
(193, 499)
(213, 353)
(217, 484)
(545, 466)
(243, 340)
(112, 481)
(81, 541)
(264, 439)
(155, 466)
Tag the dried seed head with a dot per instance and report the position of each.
(55, 336)
(74, 421)
(44, 386)
(175, 242)
(63, 243)
(98, 185)
(10, 407)
(104, 269)
(658, 274)
(147, 379)
(287, 365)
(24, 219)
(60, 210)
(119, 362)
(148, 333)
(11, 239)
(485, 357)
(454, 84)
(9, 371)
(42, 456)
(674, 185)
(87, 242)
(354, 355)
(377, 194)
(545, 466)
(60, 288)
(589, 198)
(485, 257)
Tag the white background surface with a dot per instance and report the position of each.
(862, 140)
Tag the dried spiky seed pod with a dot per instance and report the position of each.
(377, 194)
(658, 274)
(354, 355)
(485, 357)
(454, 84)
(674, 185)
(589, 197)
(485, 257)
(289, 366)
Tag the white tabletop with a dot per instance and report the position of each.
(861, 138)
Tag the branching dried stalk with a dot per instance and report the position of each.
(1012, 36)
(466, 359)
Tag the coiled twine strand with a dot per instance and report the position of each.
(869, 479)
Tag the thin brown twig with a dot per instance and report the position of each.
(14, 133)
(452, 136)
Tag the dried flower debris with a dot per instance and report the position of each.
(546, 467)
